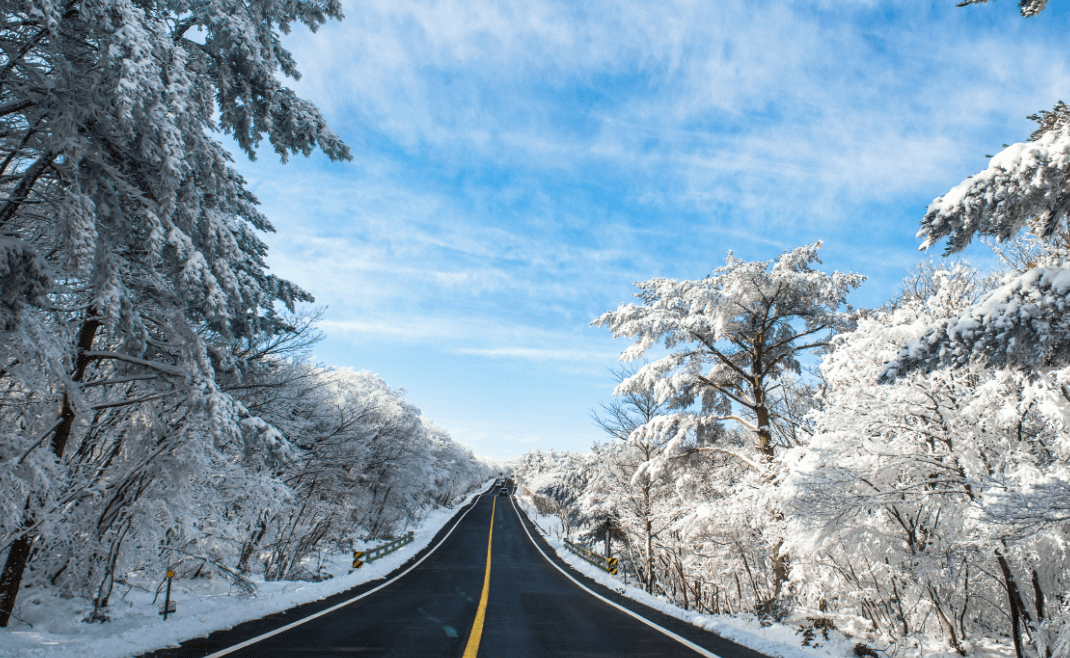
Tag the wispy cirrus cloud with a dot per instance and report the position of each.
(600, 357)
(519, 164)
(724, 101)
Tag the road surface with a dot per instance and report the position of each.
(529, 608)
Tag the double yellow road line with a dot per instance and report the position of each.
(476, 635)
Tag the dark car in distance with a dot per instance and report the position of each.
(504, 491)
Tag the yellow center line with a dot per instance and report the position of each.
(472, 648)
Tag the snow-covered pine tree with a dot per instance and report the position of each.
(931, 506)
(1026, 186)
(733, 335)
(129, 250)
(1022, 326)
(733, 338)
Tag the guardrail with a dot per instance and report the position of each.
(360, 557)
(607, 564)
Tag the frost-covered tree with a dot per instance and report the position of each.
(735, 340)
(906, 500)
(1025, 186)
(1020, 329)
(695, 533)
(130, 259)
(555, 482)
(733, 335)
(620, 490)
(636, 502)
(926, 515)
(625, 413)
(366, 465)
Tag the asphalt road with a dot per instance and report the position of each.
(531, 609)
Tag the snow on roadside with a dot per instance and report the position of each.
(204, 606)
(776, 639)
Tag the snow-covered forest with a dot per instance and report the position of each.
(159, 406)
(770, 449)
(927, 504)
(904, 470)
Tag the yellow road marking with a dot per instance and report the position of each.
(476, 635)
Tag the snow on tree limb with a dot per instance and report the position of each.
(24, 279)
(1025, 184)
(1022, 324)
(1028, 8)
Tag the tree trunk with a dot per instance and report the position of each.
(1038, 595)
(935, 600)
(12, 576)
(1014, 600)
(66, 413)
(679, 564)
(899, 605)
(19, 554)
(107, 580)
(750, 576)
(781, 566)
(1016, 633)
(251, 544)
(649, 557)
(761, 415)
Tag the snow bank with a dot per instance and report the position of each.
(204, 606)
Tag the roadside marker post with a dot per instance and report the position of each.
(169, 606)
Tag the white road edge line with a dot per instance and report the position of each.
(297, 623)
(664, 631)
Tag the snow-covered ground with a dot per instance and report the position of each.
(204, 606)
(780, 640)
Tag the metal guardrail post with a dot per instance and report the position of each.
(360, 557)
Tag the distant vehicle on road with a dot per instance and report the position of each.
(504, 491)
(499, 482)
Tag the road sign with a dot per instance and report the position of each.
(357, 562)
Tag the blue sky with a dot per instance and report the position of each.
(519, 164)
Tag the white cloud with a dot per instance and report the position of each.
(538, 354)
(702, 103)
(519, 164)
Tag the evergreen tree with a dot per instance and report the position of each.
(130, 256)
